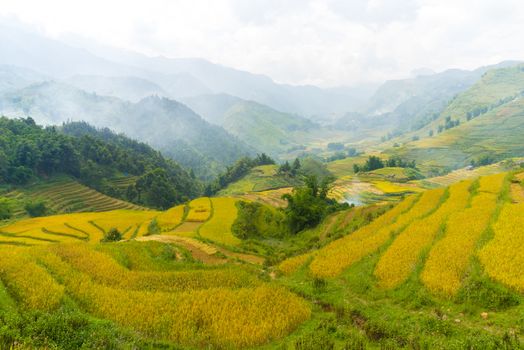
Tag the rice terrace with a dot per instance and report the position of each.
(311, 175)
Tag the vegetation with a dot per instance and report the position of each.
(374, 163)
(256, 220)
(92, 157)
(222, 302)
(237, 171)
(308, 205)
(36, 208)
(5, 208)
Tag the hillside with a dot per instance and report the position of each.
(267, 129)
(93, 157)
(164, 124)
(495, 135)
(260, 179)
(405, 106)
(63, 195)
(440, 264)
(131, 89)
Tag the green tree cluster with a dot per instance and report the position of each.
(374, 163)
(309, 204)
(93, 156)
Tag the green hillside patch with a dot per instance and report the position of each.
(61, 194)
(496, 88)
(261, 178)
(269, 130)
(496, 134)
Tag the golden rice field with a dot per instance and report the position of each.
(203, 217)
(503, 256)
(207, 308)
(401, 258)
(89, 227)
(171, 218)
(291, 265)
(449, 258)
(338, 255)
(435, 235)
(199, 210)
(218, 228)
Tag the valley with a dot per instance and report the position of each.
(163, 202)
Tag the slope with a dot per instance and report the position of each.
(165, 124)
(267, 129)
(439, 270)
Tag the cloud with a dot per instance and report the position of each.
(324, 42)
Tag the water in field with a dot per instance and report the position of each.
(352, 200)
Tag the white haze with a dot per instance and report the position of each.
(322, 42)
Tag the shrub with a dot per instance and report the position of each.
(153, 228)
(5, 208)
(36, 208)
(113, 235)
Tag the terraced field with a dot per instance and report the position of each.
(434, 235)
(64, 195)
(201, 220)
(177, 303)
(470, 173)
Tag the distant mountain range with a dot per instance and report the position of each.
(223, 113)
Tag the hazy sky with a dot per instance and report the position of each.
(323, 42)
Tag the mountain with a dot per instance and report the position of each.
(12, 77)
(51, 57)
(483, 124)
(310, 101)
(131, 89)
(267, 129)
(400, 106)
(94, 157)
(165, 124)
(179, 77)
(212, 107)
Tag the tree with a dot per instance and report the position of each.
(296, 166)
(36, 208)
(308, 205)
(113, 235)
(373, 163)
(285, 169)
(156, 190)
(5, 208)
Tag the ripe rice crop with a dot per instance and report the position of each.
(503, 256)
(390, 187)
(219, 227)
(449, 258)
(79, 226)
(171, 218)
(401, 258)
(123, 219)
(291, 265)
(217, 317)
(30, 284)
(335, 257)
(105, 270)
(142, 256)
(199, 209)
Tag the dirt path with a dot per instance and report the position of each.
(517, 189)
